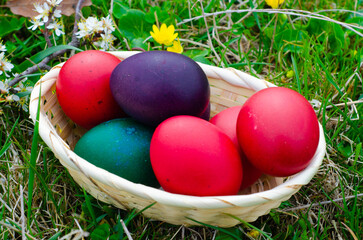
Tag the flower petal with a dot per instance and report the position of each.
(171, 29)
(163, 28)
(154, 36)
(155, 29)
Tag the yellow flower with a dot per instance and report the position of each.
(177, 48)
(164, 35)
(290, 74)
(274, 3)
(253, 233)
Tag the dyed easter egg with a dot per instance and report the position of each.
(191, 156)
(278, 131)
(120, 146)
(226, 120)
(83, 88)
(153, 86)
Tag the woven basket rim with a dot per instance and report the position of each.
(63, 152)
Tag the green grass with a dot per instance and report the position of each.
(40, 200)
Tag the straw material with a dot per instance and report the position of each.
(229, 87)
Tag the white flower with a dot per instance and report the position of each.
(57, 13)
(29, 88)
(5, 65)
(36, 23)
(54, 3)
(43, 12)
(57, 28)
(107, 24)
(3, 87)
(12, 98)
(94, 25)
(107, 41)
(83, 30)
(88, 27)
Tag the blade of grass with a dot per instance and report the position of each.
(250, 225)
(45, 53)
(44, 184)
(214, 227)
(4, 148)
(134, 213)
(357, 153)
(296, 73)
(90, 208)
(55, 236)
(328, 74)
(33, 158)
(255, 15)
(7, 143)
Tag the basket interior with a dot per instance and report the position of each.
(223, 95)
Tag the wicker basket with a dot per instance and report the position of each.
(229, 87)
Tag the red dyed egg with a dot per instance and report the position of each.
(191, 156)
(278, 131)
(226, 120)
(83, 88)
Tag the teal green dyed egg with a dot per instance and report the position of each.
(120, 146)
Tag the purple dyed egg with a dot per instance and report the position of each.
(153, 86)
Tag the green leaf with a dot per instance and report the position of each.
(269, 31)
(86, 11)
(194, 53)
(229, 234)
(115, 236)
(139, 43)
(250, 22)
(97, 2)
(55, 236)
(101, 232)
(45, 53)
(202, 59)
(317, 27)
(358, 149)
(23, 94)
(290, 39)
(238, 29)
(133, 25)
(163, 16)
(198, 56)
(336, 39)
(119, 9)
(345, 149)
(8, 25)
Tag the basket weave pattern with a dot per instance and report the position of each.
(229, 87)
